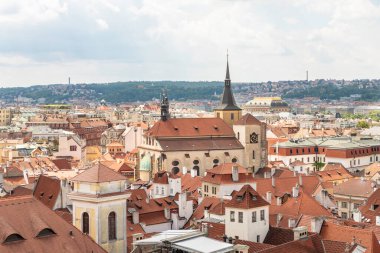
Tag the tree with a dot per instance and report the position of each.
(362, 124)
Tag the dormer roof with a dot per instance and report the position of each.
(246, 198)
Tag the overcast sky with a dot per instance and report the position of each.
(46, 41)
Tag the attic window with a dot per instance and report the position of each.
(226, 154)
(46, 232)
(215, 127)
(138, 205)
(239, 198)
(50, 196)
(187, 155)
(42, 194)
(13, 238)
(196, 128)
(207, 154)
(176, 128)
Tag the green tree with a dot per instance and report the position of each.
(362, 124)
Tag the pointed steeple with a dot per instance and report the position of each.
(227, 70)
(228, 100)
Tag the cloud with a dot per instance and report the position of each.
(45, 41)
(102, 24)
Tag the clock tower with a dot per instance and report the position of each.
(228, 110)
(252, 135)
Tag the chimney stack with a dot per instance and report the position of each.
(135, 217)
(295, 191)
(269, 197)
(273, 182)
(235, 173)
(300, 180)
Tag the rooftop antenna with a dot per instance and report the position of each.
(69, 81)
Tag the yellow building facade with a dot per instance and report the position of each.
(99, 207)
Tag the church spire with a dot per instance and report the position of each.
(228, 70)
(228, 100)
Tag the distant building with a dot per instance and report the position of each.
(5, 116)
(267, 104)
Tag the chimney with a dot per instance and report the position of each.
(278, 218)
(254, 186)
(26, 178)
(205, 213)
(193, 173)
(313, 225)
(147, 200)
(300, 180)
(291, 222)
(269, 197)
(225, 238)
(295, 191)
(205, 228)
(167, 213)
(184, 170)
(175, 219)
(273, 182)
(279, 201)
(135, 217)
(272, 171)
(235, 173)
(300, 233)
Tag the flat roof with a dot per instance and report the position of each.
(203, 244)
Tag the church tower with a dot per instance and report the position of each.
(228, 110)
(100, 207)
(165, 114)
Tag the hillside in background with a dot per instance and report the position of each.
(121, 92)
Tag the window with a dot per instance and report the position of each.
(262, 214)
(356, 205)
(234, 160)
(73, 148)
(85, 223)
(343, 204)
(232, 216)
(213, 190)
(206, 188)
(344, 215)
(253, 154)
(240, 217)
(254, 216)
(112, 226)
(232, 116)
(162, 190)
(258, 238)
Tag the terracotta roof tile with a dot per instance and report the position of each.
(248, 119)
(23, 215)
(47, 190)
(190, 127)
(98, 174)
(246, 198)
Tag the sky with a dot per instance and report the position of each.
(47, 41)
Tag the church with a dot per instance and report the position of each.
(199, 144)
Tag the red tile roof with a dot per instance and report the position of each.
(190, 127)
(47, 190)
(371, 208)
(337, 232)
(246, 198)
(28, 217)
(248, 119)
(98, 174)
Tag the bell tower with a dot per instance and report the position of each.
(228, 110)
(165, 114)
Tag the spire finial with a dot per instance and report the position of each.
(228, 69)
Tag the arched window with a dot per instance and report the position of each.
(85, 223)
(112, 226)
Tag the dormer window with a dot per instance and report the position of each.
(13, 238)
(196, 128)
(45, 232)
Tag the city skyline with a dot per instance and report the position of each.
(48, 41)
